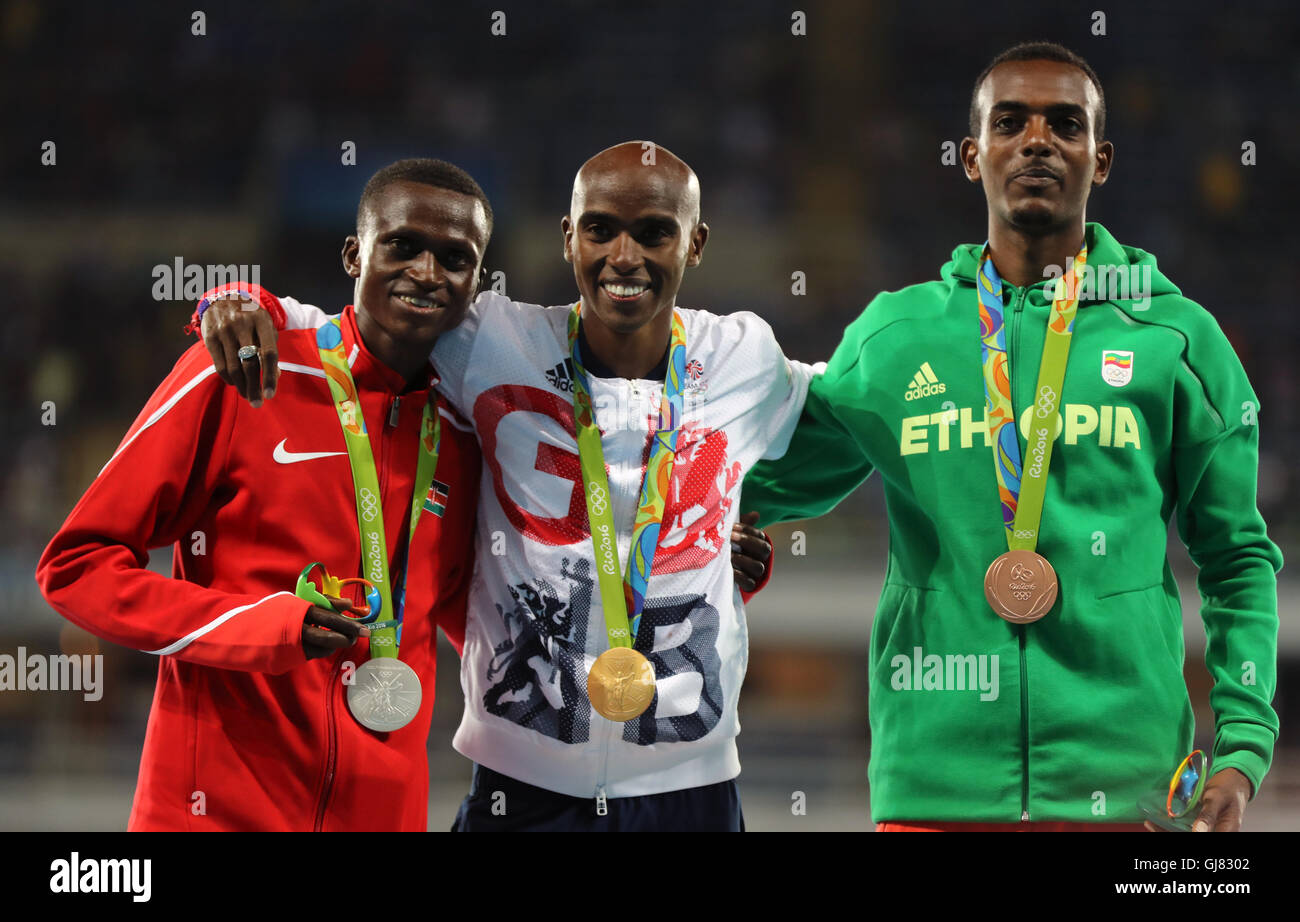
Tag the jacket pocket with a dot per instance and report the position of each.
(1153, 618)
(895, 614)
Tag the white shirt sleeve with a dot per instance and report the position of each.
(454, 349)
(299, 316)
(784, 385)
(786, 419)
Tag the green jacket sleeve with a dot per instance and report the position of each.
(824, 463)
(1216, 463)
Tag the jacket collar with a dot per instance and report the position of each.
(1103, 251)
(367, 370)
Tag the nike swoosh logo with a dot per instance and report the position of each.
(289, 457)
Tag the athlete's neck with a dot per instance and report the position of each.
(409, 358)
(1021, 257)
(629, 355)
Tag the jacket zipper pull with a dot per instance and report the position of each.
(602, 805)
(392, 414)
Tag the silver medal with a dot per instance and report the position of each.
(384, 694)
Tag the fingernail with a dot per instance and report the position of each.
(255, 403)
(1200, 826)
(365, 632)
(735, 548)
(268, 393)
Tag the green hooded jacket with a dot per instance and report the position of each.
(1075, 716)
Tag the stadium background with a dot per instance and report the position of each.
(817, 153)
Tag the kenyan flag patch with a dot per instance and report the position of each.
(436, 501)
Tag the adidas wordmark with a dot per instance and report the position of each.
(924, 384)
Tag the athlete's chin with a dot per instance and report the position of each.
(429, 322)
(416, 332)
(1035, 217)
(623, 318)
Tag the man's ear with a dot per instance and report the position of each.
(1105, 159)
(699, 237)
(480, 284)
(970, 158)
(566, 227)
(352, 256)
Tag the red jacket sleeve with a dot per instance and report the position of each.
(269, 302)
(154, 490)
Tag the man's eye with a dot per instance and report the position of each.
(1071, 125)
(598, 231)
(402, 246)
(456, 261)
(1005, 123)
(654, 235)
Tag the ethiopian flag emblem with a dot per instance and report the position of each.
(1116, 367)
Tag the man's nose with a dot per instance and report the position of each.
(624, 253)
(426, 269)
(1038, 136)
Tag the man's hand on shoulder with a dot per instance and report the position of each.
(750, 552)
(234, 322)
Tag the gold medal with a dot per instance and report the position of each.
(621, 684)
(1020, 586)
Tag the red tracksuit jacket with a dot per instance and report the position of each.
(244, 733)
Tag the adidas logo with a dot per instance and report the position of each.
(924, 384)
(561, 376)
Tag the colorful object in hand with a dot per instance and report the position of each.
(384, 642)
(308, 590)
(1187, 785)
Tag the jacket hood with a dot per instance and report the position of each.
(1105, 256)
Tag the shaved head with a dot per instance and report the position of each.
(656, 172)
(632, 230)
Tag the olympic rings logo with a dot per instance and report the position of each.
(1021, 572)
(1046, 402)
(377, 641)
(596, 497)
(1024, 533)
(618, 632)
(369, 505)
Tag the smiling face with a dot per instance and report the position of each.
(417, 261)
(631, 232)
(1036, 154)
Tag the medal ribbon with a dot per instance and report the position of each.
(1021, 490)
(386, 640)
(617, 602)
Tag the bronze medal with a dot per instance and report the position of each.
(621, 684)
(1020, 586)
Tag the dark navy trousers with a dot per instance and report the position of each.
(497, 803)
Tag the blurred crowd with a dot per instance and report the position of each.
(818, 153)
